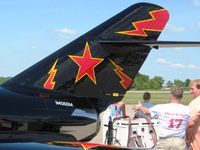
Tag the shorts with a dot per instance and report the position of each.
(173, 143)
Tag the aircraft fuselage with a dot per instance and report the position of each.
(43, 113)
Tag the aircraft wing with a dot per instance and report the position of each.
(155, 44)
(58, 146)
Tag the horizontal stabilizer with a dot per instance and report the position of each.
(155, 44)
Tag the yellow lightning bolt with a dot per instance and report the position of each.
(50, 83)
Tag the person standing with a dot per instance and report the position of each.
(193, 128)
(115, 110)
(173, 118)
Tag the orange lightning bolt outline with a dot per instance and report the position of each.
(125, 80)
(50, 83)
(156, 24)
(84, 145)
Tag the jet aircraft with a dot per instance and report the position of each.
(60, 97)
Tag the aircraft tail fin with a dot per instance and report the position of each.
(88, 68)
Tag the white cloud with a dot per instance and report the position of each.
(183, 66)
(66, 32)
(33, 46)
(178, 66)
(174, 28)
(198, 24)
(196, 2)
(178, 49)
(192, 67)
(162, 61)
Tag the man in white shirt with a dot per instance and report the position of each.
(173, 118)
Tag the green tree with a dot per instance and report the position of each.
(178, 82)
(141, 82)
(154, 85)
(158, 82)
(169, 84)
(4, 79)
(186, 83)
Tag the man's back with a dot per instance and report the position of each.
(173, 119)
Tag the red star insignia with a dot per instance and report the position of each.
(86, 64)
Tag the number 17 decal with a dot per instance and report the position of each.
(175, 123)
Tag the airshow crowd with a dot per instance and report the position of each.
(179, 125)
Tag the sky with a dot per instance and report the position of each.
(31, 30)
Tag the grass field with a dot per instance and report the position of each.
(157, 97)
